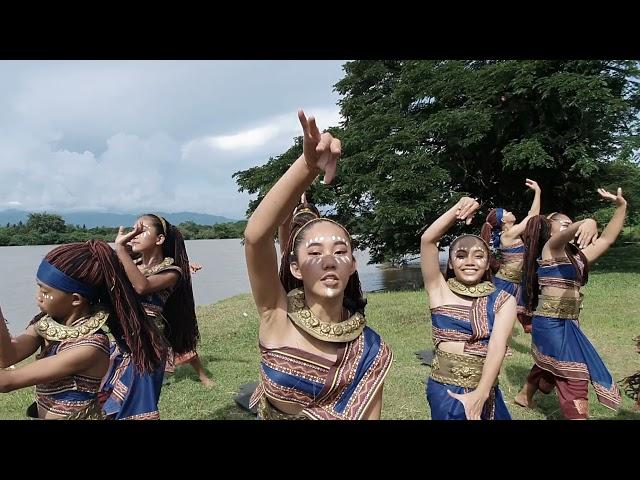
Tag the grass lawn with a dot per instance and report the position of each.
(610, 318)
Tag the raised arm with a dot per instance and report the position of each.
(519, 228)
(141, 284)
(585, 230)
(537, 192)
(321, 152)
(429, 259)
(613, 228)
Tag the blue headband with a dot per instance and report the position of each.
(53, 277)
(497, 231)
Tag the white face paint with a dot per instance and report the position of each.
(314, 240)
(316, 259)
(461, 254)
(325, 249)
(469, 263)
(143, 241)
(559, 223)
(335, 238)
(46, 296)
(331, 292)
(338, 238)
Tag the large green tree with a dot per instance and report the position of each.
(418, 134)
(46, 223)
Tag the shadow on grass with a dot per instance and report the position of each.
(229, 411)
(545, 404)
(186, 372)
(214, 358)
(522, 344)
(625, 414)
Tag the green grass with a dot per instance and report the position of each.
(611, 319)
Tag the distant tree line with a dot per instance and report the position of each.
(51, 229)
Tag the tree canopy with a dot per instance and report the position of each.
(419, 134)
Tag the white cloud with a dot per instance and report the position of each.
(286, 123)
(256, 137)
(273, 134)
(128, 136)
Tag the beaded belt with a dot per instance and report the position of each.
(454, 369)
(559, 307)
(510, 274)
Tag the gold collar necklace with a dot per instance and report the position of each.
(482, 289)
(51, 330)
(303, 317)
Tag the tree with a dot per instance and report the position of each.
(260, 179)
(419, 134)
(46, 223)
(624, 174)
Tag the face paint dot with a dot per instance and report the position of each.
(330, 292)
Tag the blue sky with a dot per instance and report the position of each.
(127, 136)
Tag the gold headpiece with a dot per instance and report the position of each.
(162, 221)
(318, 219)
(472, 235)
(305, 210)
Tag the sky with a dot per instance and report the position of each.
(130, 136)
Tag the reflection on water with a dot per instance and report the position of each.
(392, 279)
(377, 278)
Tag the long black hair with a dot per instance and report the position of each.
(179, 311)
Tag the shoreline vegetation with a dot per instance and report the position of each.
(51, 229)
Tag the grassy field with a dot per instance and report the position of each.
(610, 318)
